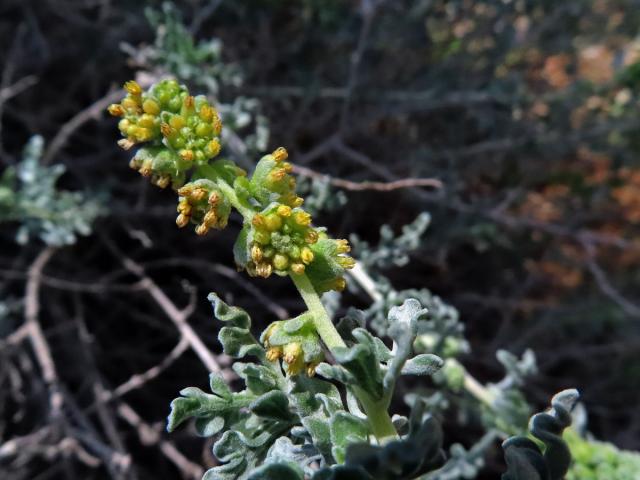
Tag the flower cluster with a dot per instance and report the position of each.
(281, 239)
(202, 202)
(182, 130)
(296, 342)
(181, 133)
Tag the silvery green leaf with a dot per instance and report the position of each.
(423, 364)
(346, 429)
(273, 405)
(403, 322)
(277, 471)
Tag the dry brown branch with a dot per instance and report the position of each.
(150, 436)
(35, 333)
(369, 185)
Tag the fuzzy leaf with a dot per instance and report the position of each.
(345, 429)
(277, 471)
(273, 405)
(423, 364)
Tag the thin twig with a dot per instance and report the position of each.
(369, 185)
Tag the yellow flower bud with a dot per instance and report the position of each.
(264, 270)
(342, 246)
(132, 87)
(256, 253)
(182, 220)
(311, 237)
(280, 261)
(147, 121)
(284, 211)
(116, 110)
(306, 255)
(216, 123)
(163, 181)
(274, 353)
(202, 229)
(186, 155)
(273, 222)
(297, 268)
(210, 218)
(346, 262)
(292, 352)
(166, 130)
(302, 218)
(213, 147)
(206, 113)
(198, 194)
(151, 107)
(176, 122)
(130, 104)
(280, 154)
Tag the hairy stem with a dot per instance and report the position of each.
(377, 414)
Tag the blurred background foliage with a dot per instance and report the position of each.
(522, 115)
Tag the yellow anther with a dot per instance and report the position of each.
(185, 191)
(130, 104)
(198, 194)
(287, 167)
(292, 352)
(302, 218)
(342, 246)
(213, 147)
(216, 123)
(182, 220)
(274, 353)
(132, 87)
(214, 198)
(146, 170)
(340, 284)
(151, 107)
(306, 255)
(206, 113)
(189, 101)
(264, 270)
(346, 262)
(256, 253)
(163, 181)
(258, 220)
(280, 154)
(297, 268)
(166, 130)
(116, 110)
(311, 369)
(202, 229)
(210, 218)
(126, 143)
(297, 202)
(186, 155)
(311, 237)
(277, 174)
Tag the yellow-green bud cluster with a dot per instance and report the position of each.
(296, 342)
(193, 131)
(141, 111)
(201, 202)
(168, 115)
(281, 237)
(272, 181)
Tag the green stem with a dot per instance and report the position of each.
(321, 320)
(379, 419)
(377, 414)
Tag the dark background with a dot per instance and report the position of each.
(525, 111)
